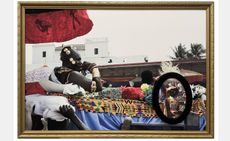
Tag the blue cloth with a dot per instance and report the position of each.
(108, 121)
(202, 123)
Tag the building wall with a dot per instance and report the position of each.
(37, 53)
(87, 54)
(115, 60)
(98, 43)
(135, 70)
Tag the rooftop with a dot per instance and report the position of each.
(149, 64)
(78, 47)
(92, 40)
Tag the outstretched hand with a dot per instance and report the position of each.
(67, 111)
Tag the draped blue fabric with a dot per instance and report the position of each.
(202, 123)
(109, 121)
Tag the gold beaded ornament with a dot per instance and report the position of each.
(67, 51)
(72, 61)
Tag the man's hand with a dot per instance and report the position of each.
(88, 66)
(67, 111)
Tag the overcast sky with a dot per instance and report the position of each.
(147, 32)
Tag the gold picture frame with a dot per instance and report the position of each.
(207, 6)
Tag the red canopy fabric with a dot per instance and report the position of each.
(56, 26)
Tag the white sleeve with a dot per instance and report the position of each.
(203, 97)
(89, 75)
(50, 86)
(73, 89)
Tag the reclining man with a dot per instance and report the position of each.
(72, 77)
(85, 75)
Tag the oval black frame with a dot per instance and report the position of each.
(157, 86)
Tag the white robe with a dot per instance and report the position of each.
(45, 106)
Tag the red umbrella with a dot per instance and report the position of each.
(43, 26)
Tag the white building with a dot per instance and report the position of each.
(94, 50)
(43, 53)
(38, 55)
(96, 47)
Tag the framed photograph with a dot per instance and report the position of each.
(115, 69)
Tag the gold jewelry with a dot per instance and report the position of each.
(70, 59)
(95, 72)
(67, 51)
(73, 62)
(93, 86)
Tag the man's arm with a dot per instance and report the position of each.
(50, 86)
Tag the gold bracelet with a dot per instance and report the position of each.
(93, 86)
(95, 72)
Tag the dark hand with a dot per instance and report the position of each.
(98, 84)
(88, 66)
(66, 111)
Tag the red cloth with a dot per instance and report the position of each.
(34, 88)
(56, 26)
(132, 93)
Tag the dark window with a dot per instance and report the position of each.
(110, 61)
(146, 59)
(95, 51)
(44, 54)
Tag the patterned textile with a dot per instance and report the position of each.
(38, 74)
(131, 108)
(148, 90)
(71, 98)
(198, 107)
(149, 99)
(132, 93)
(112, 93)
(91, 95)
(134, 108)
